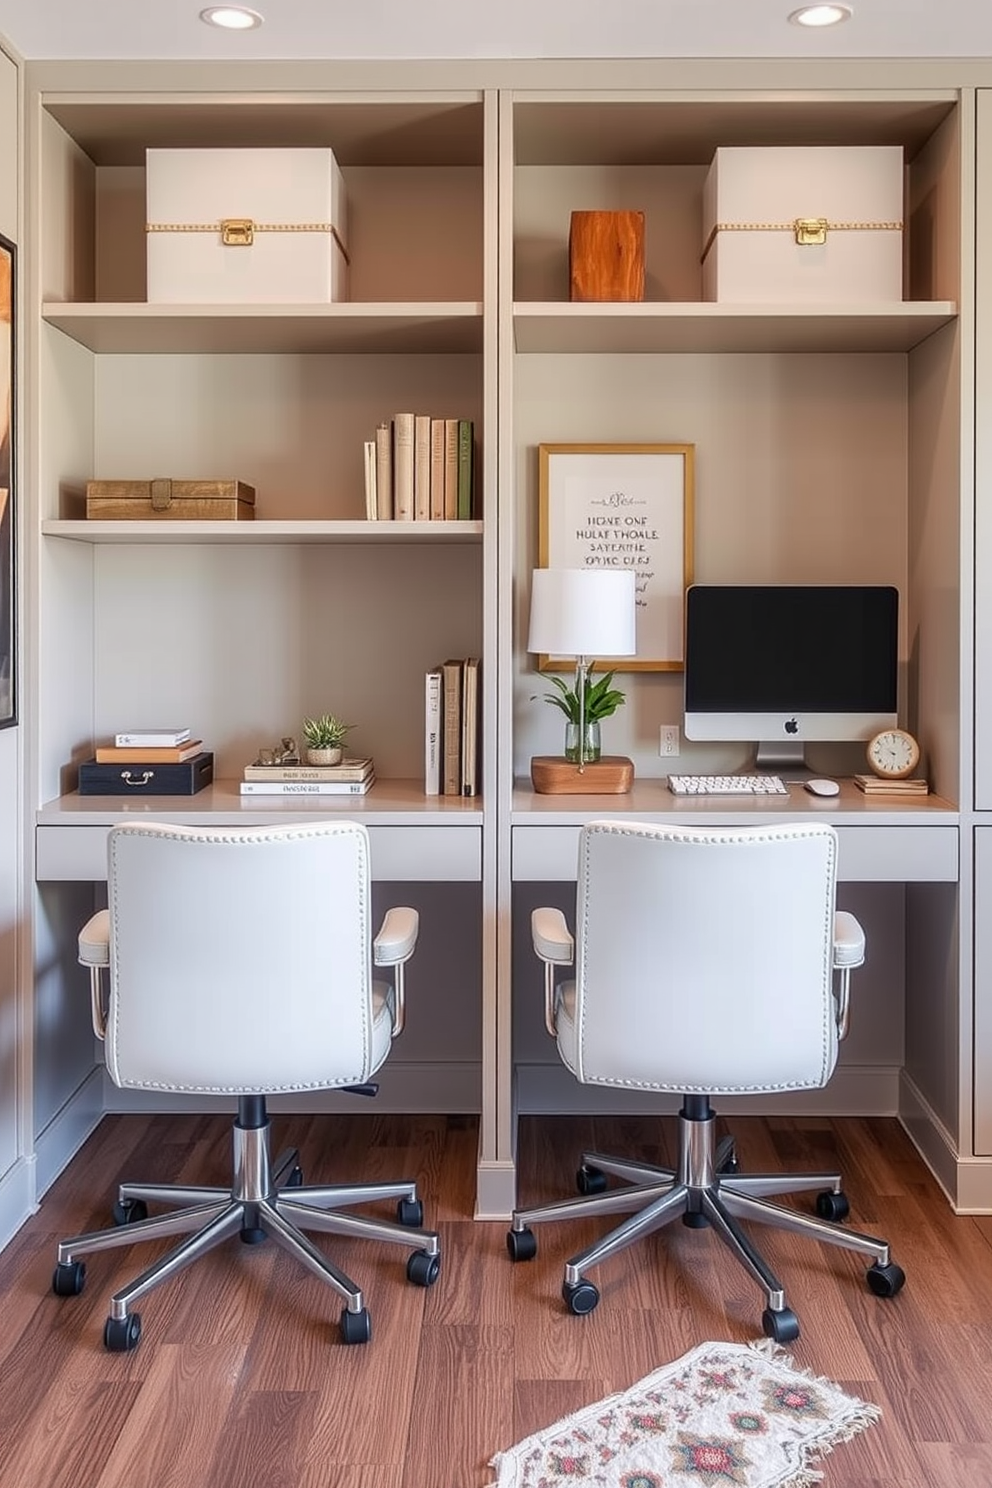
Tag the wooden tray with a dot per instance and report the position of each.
(611, 775)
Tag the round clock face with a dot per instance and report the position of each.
(893, 753)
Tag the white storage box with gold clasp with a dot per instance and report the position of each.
(803, 223)
(245, 226)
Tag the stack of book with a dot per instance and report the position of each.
(419, 469)
(874, 785)
(451, 732)
(352, 777)
(158, 761)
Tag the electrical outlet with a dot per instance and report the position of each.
(668, 745)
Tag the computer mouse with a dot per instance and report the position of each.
(823, 787)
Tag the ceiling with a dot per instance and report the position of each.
(331, 29)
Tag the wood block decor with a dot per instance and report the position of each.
(170, 500)
(606, 256)
(610, 775)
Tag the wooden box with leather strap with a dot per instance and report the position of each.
(170, 500)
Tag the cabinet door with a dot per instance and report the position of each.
(983, 992)
(983, 460)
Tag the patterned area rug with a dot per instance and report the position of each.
(725, 1413)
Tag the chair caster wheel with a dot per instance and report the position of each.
(522, 1245)
(410, 1212)
(121, 1335)
(695, 1221)
(590, 1180)
(579, 1297)
(782, 1326)
(129, 1211)
(423, 1269)
(252, 1235)
(295, 1178)
(885, 1281)
(832, 1206)
(69, 1278)
(356, 1327)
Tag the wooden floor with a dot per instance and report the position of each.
(240, 1380)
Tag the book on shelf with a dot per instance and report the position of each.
(403, 464)
(307, 787)
(450, 469)
(466, 462)
(874, 785)
(153, 738)
(451, 728)
(432, 731)
(437, 470)
(422, 467)
(349, 769)
(148, 754)
(384, 471)
(470, 727)
(371, 503)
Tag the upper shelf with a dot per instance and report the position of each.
(164, 531)
(691, 327)
(136, 327)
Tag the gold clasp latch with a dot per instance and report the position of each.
(810, 231)
(161, 494)
(237, 232)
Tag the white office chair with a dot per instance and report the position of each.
(709, 962)
(240, 964)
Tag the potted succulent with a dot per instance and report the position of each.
(325, 738)
(582, 742)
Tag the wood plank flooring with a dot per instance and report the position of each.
(240, 1380)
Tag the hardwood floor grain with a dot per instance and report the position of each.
(241, 1376)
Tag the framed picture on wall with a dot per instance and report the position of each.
(7, 678)
(629, 507)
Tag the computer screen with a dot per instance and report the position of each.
(783, 664)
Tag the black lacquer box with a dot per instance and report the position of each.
(184, 779)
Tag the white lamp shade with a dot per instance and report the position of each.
(582, 612)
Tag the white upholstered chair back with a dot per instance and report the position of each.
(703, 958)
(240, 958)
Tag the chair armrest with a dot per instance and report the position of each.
(397, 937)
(553, 941)
(94, 940)
(849, 940)
(393, 946)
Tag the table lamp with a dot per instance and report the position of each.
(582, 613)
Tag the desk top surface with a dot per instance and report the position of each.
(651, 800)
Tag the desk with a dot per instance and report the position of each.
(413, 837)
(880, 840)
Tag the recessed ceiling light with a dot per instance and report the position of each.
(821, 15)
(231, 17)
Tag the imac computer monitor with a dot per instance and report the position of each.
(782, 665)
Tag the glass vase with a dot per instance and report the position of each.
(591, 746)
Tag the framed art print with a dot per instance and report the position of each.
(624, 506)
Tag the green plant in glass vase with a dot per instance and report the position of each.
(585, 704)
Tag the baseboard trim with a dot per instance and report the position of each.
(966, 1181)
(854, 1090)
(404, 1089)
(62, 1138)
(17, 1197)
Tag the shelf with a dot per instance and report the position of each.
(249, 533)
(390, 802)
(684, 327)
(136, 327)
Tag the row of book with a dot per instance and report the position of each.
(451, 732)
(419, 469)
(352, 777)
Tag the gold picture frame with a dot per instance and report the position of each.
(8, 712)
(628, 506)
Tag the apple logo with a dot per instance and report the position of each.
(791, 726)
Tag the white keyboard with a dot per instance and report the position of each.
(727, 785)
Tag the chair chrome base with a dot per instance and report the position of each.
(266, 1198)
(705, 1189)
